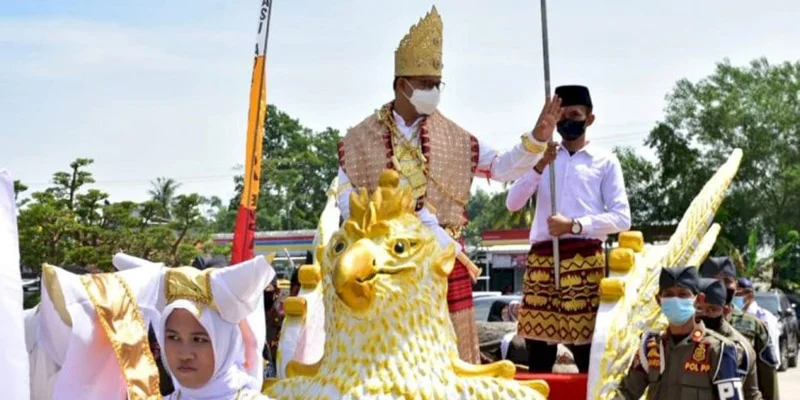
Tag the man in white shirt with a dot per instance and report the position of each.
(592, 204)
(746, 298)
(435, 158)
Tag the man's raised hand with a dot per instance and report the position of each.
(549, 117)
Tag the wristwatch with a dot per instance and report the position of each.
(576, 227)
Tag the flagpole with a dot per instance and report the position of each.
(245, 229)
(552, 169)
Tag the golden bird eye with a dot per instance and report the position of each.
(338, 247)
(402, 247)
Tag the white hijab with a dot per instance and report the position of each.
(230, 375)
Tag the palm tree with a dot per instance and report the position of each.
(163, 191)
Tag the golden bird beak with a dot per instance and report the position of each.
(352, 277)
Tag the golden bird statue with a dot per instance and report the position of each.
(387, 332)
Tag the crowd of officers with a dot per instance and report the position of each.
(712, 349)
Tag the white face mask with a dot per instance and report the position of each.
(424, 101)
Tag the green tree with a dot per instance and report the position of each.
(187, 222)
(220, 215)
(297, 168)
(67, 184)
(163, 191)
(19, 188)
(71, 224)
(488, 211)
(752, 107)
(640, 175)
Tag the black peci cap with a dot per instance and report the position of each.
(715, 291)
(679, 276)
(714, 266)
(574, 95)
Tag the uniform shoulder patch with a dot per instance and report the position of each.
(742, 359)
(768, 357)
(650, 354)
(726, 378)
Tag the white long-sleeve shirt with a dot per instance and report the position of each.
(589, 188)
(773, 327)
(505, 166)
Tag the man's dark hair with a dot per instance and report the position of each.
(394, 83)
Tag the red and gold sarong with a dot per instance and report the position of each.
(567, 315)
(462, 313)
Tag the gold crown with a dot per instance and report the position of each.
(420, 51)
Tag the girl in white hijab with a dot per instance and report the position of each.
(201, 334)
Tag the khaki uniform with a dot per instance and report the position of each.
(756, 333)
(702, 366)
(747, 361)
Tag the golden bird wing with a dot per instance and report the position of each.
(302, 336)
(706, 244)
(700, 215)
(329, 220)
(628, 307)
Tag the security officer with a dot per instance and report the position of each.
(746, 298)
(712, 311)
(749, 326)
(686, 361)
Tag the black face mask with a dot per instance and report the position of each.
(571, 129)
(713, 323)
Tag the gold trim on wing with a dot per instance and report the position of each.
(121, 320)
(56, 294)
(189, 284)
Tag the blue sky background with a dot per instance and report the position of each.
(159, 88)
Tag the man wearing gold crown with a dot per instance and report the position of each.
(435, 157)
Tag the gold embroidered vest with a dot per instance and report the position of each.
(451, 158)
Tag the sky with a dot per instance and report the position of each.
(160, 88)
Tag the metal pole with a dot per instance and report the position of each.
(553, 209)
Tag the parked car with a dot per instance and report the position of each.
(794, 300)
(484, 304)
(776, 302)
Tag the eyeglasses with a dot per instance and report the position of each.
(428, 84)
